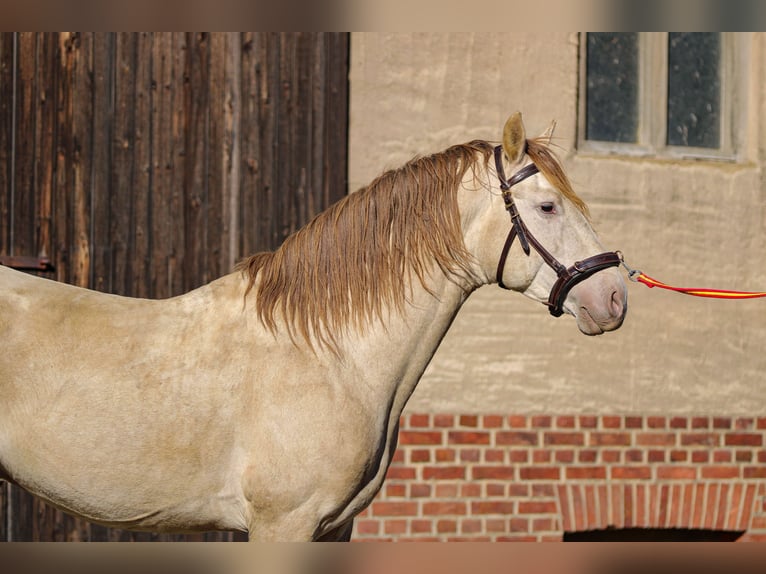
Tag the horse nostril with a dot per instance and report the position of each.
(617, 304)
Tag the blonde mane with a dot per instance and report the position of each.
(361, 255)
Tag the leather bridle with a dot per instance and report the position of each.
(568, 277)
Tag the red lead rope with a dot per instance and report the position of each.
(639, 277)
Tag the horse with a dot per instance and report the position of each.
(268, 400)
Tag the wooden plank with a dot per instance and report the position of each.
(7, 141)
(23, 200)
(250, 138)
(62, 218)
(336, 117)
(195, 192)
(45, 160)
(231, 155)
(81, 159)
(216, 235)
(100, 164)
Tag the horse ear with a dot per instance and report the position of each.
(514, 138)
(548, 135)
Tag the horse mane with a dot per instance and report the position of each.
(359, 257)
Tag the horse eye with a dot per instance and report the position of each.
(548, 208)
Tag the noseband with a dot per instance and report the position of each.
(568, 277)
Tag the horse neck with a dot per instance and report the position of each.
(392, 355)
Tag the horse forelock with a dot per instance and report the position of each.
(360, 257)
(550, 167)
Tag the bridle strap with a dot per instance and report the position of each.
(568, 277)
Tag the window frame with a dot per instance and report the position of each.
(653, 103)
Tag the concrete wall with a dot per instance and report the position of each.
(684, 222)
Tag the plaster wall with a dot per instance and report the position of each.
(686, 222)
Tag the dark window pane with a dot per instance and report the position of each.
(694, 89)
(612, 87)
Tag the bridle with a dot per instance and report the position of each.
(568, 277)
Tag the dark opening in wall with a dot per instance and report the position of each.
(653, 535)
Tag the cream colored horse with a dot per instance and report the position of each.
(268, 400)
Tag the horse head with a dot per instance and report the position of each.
(558, 260)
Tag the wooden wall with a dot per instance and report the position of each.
(148, 164)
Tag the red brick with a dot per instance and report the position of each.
(493, 507)
(565, 422)
(611, 456)
(420, 437)
(631, 472)
(494, 455)
(700, 456)
(655, 439)
(762, 456)
(444, 421)
(537, 507)
(743, 456)
(395, 526)
(564, 438)
(754, 472)
(444, 472)
(493, 472)
(420, 490)
(543, 491)
(470, 490)
(471, 526)
(656, 455)
(678, 456)
(382, 508)
(541, 421)
(367, 526)
(543, 525)
(519, 525)
(634, 455)
(722, 456)
(468, 437)
(517, 421)
(634, 422)
(721, 423)
(419, 420)
(497, 525)
(421, 526)
(420, 455)
(655, 422)
(394, 490)
(446, 526)
(469, 421)
(588, 422)
(679, 422)
(744, 439)
(446, 491)
(541, 456)
(518, 456)
(611, 422)
(744, 423)
(470, 455)
(676, 472)
(445, 454)
(720, 472)
(760, 423)
(496, 489)
(398, 457)
(444, 508)
(701, 438)
(700, 422)
(400, 473)
(587, 455)
(539, 473)
(581, 472)
(517, 438)
(518, 490)
(492, 421)
(609, 438)
(565, 456)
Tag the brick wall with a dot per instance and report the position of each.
(515, 477)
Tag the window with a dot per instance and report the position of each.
(662, 94)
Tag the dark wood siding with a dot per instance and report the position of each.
(148, 164)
